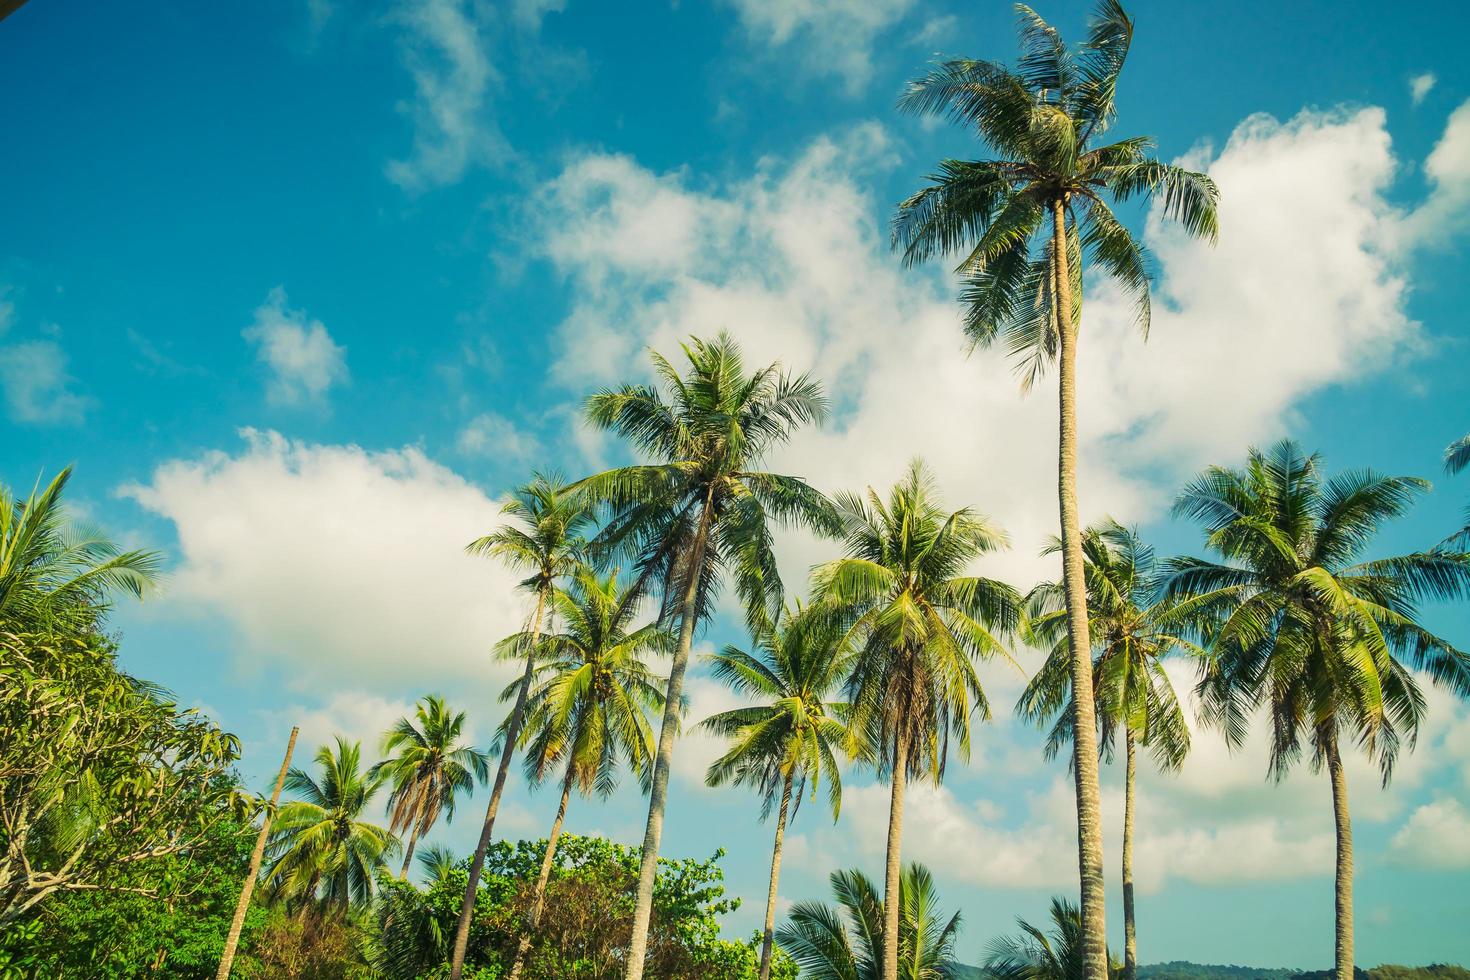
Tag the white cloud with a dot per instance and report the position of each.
(357, 716)
(833, 37)
(446, 51)
(327, 559)
(38, 388)
(1420, 86)
(1436, 836)
(1447, 170)
(303, 359)
(530, 13)
(492, 435)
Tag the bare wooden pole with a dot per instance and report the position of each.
(227, 958)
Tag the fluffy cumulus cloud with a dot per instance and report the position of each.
(828, 37)
(1437, 835)
(303, 360)
(1304, 290)
(329, 559)
(1447, 171)
(39, 389)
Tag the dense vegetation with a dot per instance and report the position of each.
(126, 836)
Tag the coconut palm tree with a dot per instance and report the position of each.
(1456, 458)
(428, 766)
(545, 539)
(319, 842)
(436, 862)
(1300, 625)
(588, 713)
(792, 737)
(1023, 221)
(56, 574)
(847, 942)
(918, 624)
(1133, 630)
(697, 508)
(1038, 955)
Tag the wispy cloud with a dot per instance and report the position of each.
(1420, 86)
(825, 37)
(39, 390)
(303, 359)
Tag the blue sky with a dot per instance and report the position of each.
(302, 292)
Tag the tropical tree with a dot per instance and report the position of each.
(544, 538)
(588, 713)
(792, 737)
(1300, 625)
(319, 842)
(1133, 630)
(1456, 458)
(437, 862)
(429, 766)
(1023, 221)
(918, 622)
(56, 575)
(849, 942)
(697, 508)
(1038, 955)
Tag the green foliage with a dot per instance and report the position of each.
(1036, 954)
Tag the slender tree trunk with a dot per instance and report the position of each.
(768, 939)
(893, 868)
(1130, 937)
(538, 896)
(232, 939)
(1084, 731)
(1344, 903)
(658, 794)
(413, 841)
(512, 733)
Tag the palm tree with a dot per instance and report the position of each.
(1456, 458)
(589, 711)
(320, 840)
(697, 508)
(1037, 955)
(1326, 642)
(1132, 631)
(847, 943)
(918, 623)
(436, 862)
(1045, 120)
(55, 574)
(790, 738)
(428, 766)
(545, 540)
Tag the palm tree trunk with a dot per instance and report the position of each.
(1130, 937)
(659, 793)
(766, 941)
(512, 733)
(232, 939)
(893, 868)
(413, 841)
(538, 895)
(1084, 732)
(1344, 937)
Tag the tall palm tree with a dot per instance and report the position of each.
(1039, 955)
(1326, 642)
(428, 766)
(790, 739)
(545, 539)
(319, 842)
(1045, 121)
(589, 711)
(436, 862)
(55, 573)
(918, 624)
(699, 507)
(1133, 630)
(1456, 458)
(848, 942)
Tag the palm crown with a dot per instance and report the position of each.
(1298, 621)
(797, 729)
(544, 537)
(429, 767)
(1045, 119)
(918, 621)
(1036, 954)
(1133, 629)
(321, 839)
